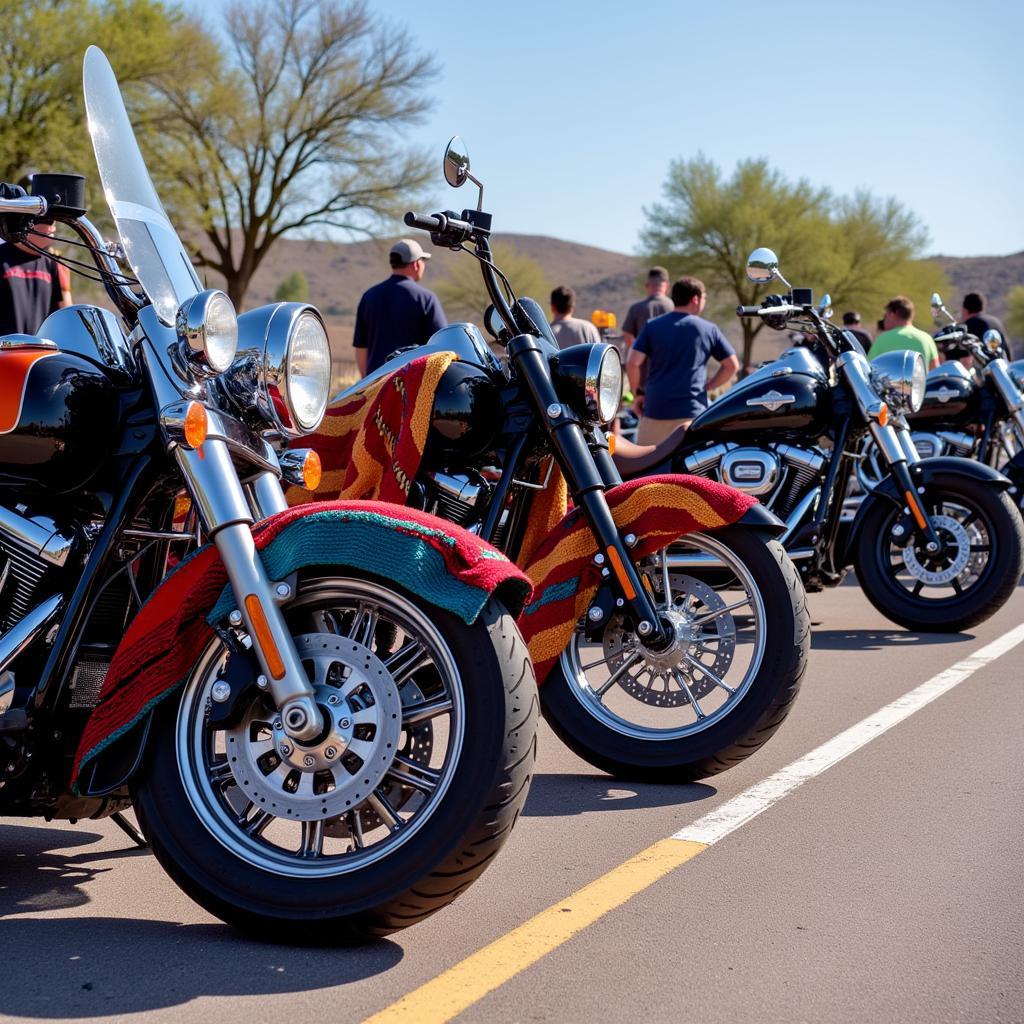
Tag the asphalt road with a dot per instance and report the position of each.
(890, 887)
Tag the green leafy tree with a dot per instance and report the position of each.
(299, 130)
(294, 288)
(42, 112)
(464, 296)
(1015, 311)
(859, 249)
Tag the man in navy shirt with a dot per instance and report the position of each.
(676, 348)
(398, 312)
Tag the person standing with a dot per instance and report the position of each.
(31, 286)
(977, 321)
(899, 332)
(852, 323)
(568, 329)
(398, 312)
(656, 303)
(676, 347)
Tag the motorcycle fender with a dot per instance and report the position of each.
(762, 521)
(925, 473)
(439, 562)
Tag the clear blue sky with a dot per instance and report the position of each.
(916, 100)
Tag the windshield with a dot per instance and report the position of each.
(151, 245)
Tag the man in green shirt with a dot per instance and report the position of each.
(899, 332)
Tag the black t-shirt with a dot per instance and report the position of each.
(30, 289)
(979, 323)
(395, 314)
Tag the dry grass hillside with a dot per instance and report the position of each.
(338, 273)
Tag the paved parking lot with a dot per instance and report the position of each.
(888, 886)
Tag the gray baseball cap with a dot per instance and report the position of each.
(408, 250)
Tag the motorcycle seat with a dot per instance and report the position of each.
(636, 459)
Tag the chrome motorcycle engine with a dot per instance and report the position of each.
(945, 442)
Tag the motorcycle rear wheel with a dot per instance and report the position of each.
(440, 720)
(656, 722)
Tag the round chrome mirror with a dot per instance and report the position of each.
(762, 266)
(825, 306)
(993, 341)
(936, 300)
(456, 163)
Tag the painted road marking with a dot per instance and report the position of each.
(458, 988)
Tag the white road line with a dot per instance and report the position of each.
(740, 809)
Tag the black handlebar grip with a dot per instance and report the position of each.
(427, 223)
(748, 310)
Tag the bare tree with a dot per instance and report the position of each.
(299, 129)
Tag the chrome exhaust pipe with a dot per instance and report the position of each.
(27, 628)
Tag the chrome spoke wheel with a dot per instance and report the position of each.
(718, 645)
(392, 703)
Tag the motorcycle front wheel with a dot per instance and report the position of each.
(396, 808)
(717, 694)
(974, 574)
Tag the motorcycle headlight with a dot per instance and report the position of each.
(207, 330)
(283, 372)
(589, 378)
(900, 379)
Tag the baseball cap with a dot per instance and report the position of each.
(408, 250)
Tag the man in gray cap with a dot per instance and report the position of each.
(398, 312)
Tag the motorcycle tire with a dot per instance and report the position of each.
(261, 881)
(724, 739)
(996, 514)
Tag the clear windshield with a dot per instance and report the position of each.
(151, 245)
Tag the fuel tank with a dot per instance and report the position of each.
(951, 397)
(789, 398)
(59, 416)
(466, 418)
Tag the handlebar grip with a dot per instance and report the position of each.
(426, 223)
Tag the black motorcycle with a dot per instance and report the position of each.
(667, 676)
(339, 756)
(937, 545)
(976, 413)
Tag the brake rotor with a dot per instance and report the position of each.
(656, 679)
(937, 577)
(362, 711)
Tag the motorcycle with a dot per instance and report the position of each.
(313, 747)
(975, 414)
(647, 670)
(937, 544)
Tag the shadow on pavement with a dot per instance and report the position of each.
(879, 639)
(61, 967)
(554, 795)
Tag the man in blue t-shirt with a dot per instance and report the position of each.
(676, 347)
(398, 312)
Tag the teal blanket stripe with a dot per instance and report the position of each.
(373, 547)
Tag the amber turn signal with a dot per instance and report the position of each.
(311, 471)
(195, 424)
(883, 415)
(611, 444)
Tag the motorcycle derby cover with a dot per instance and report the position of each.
(371, 443)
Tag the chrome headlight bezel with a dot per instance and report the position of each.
(589, 379)
(900, 377)
(259, 381)
(207, 329)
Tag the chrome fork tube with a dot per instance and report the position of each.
(267, 496)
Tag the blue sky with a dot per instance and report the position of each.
(916, 100)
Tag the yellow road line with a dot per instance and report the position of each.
(458, 988)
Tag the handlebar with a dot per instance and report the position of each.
(787, 310)
(425, 222)
(29, 206)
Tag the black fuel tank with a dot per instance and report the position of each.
(950, 397)
(466, 417)
(790, 398)
(59, 417)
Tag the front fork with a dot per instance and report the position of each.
(897, 448)
(226, 516)
(587, 487)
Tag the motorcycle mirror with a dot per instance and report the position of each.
(825, 306)
(762, 266)
(936, 301)
(993, 341)
(456, 163)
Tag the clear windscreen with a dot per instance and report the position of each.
(151, 245)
